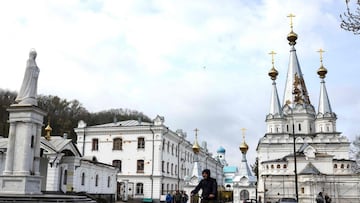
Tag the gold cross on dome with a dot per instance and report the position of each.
(243, 132)
(272, 53)
(321, 51)
(291, 16)
(196, 131)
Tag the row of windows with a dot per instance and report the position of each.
(169, 188)
(277, 166)
(139, 165)
(117, 144)
(284, 166)
(83, 179)
(174, 150)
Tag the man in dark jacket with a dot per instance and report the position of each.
(208, 186)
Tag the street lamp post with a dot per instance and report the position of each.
(295, 169)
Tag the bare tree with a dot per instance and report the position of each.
(350, 21)
(355, 152)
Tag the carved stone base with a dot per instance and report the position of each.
(10, 184)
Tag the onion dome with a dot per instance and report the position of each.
(221, 150)
(292, 36)
(48, 130)
(322, 71)
(244, 147)
(273, 73)
(196, 146)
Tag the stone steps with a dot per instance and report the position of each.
(44, 198)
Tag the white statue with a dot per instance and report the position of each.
(28, 91)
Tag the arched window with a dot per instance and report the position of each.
(278, 166)
(140, 166)
(284, 166)
(272, 166)
(244, 194)
(83, 179)
(139, 188)
(342, 165)
(117, 144)
(117, 164)
(335, 165)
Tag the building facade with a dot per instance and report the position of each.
(152, 159)
(302, 153)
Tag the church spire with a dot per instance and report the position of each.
(275, 108)
(295, 89)
(324, 102)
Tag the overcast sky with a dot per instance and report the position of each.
(200, 64)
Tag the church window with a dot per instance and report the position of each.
(299, 127)
(65, 177)
(139, 188)
(141, 143)
(83, 179)
(96, 180)
(117, 144)
(140, 166)
(162, 188)
(335, 165)
(117, 164)
(278, 166)
(342, 165)
(95, 144)
(32, 141)
(108, 182)
(244, 194)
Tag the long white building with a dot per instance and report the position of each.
(152, 159)
(321, 162)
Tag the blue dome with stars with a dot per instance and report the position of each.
(221, 150)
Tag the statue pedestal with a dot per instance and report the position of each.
(21, 171)
(10, 184)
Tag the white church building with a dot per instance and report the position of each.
(152, 159)
(302, 153)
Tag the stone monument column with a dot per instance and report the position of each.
(21, 174)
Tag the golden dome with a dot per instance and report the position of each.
(244, 147)
(196, 147)
(48, 130)
(273, 73)
(292, 37)
(322, 71)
